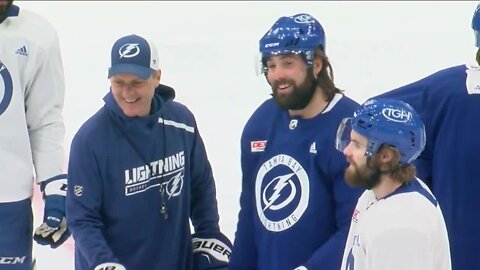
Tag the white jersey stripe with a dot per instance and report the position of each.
(176, 124)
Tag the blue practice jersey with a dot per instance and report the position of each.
(449, 103)
(295, 204)
(122, 170)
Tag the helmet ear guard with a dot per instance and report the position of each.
(297, 34)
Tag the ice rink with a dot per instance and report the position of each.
(207, 53)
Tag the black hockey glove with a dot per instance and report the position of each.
(211, 251)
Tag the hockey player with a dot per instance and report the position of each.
(32, 134)
(295, 205)
(139, 172)
(449, 103)
(397, 223)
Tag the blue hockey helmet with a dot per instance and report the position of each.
(299, 34)
(385, 121)
(476, 25)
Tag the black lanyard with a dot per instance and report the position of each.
(163, 209)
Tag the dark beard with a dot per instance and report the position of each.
(300, 96)
(4, 9)
(362, 177)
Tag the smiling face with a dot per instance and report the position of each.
(293, 84)
(133, 94)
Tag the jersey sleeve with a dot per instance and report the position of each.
(44, 100)
(84, 203)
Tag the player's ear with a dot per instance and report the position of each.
(157, 75)
(317, 66)
(389, 157)
(318, 62)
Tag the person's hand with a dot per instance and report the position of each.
(110, 266)
(211, 251)
(53, 231)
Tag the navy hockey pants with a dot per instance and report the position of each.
(16, 229)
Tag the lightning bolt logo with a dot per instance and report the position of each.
(282, 192)
(174, 185)
(129, 50)
(304, 18)
(282, 182)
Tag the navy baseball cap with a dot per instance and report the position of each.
(135, 55)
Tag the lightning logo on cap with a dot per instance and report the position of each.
(129, 50)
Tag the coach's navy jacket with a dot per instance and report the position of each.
(134, 182)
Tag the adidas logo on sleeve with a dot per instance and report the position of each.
(22, 51)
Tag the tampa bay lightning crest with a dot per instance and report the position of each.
(281, 192)
(6, 88)
(129, 50)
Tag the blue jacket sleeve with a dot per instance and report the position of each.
(329, 255)
(244, 254)
(83, 204)
(204, 209)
